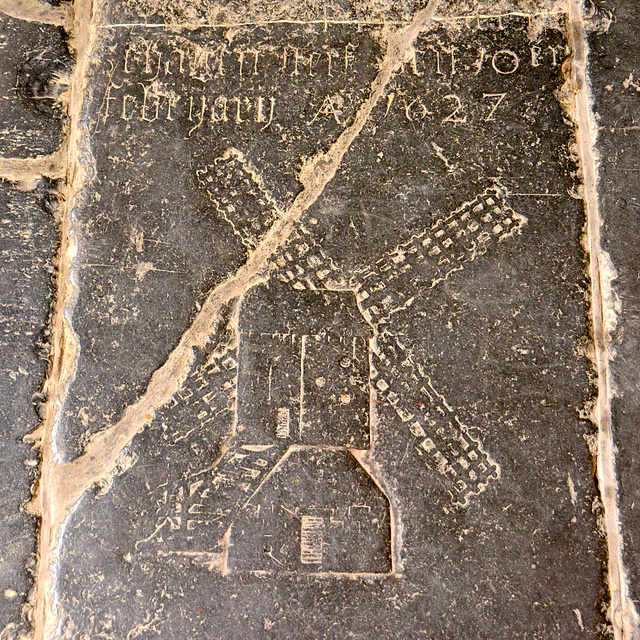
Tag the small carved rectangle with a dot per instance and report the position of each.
(283, 423)
(311, 534)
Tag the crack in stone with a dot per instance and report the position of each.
(62, 485)
(25, 172)
(65, 346)
(622, 612)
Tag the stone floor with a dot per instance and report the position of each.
(319, 320)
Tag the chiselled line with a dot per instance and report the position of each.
(36, 11)
(622, 614)
(71, 480)
(64, 347)
(331, 21)
(27, 171)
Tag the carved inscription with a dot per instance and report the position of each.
(254, 86)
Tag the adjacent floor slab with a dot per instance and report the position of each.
(614, 63)
(28, 241)
(33, 64)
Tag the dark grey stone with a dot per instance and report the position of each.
(27, 245)
(34, 62)
(386, 437)
(615, 59)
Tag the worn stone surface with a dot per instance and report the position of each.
(615, 59)
(384, 425)
(33, 66)
(27, 244)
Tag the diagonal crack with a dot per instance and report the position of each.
(71, 480)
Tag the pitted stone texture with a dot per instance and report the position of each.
(27, 238)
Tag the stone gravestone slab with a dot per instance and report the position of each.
(331, 316)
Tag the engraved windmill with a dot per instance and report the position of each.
(420, 263)
(303, 387)
(293, 489)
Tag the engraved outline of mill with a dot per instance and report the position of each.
(296, 488)
(368, 366)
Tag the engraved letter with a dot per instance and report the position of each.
(172, 101)
(328, 108)
(390, 98)
(255, 53)
(181, 54)
(311, 55)
(412, 61)
(124, 115)
(505, 62)
(455, 116)
(497, 98)
(479, 62)
(203, 107)
(260, 117)
(296, 57)
(219, 103)
(348, 55)
(107, 100)
(240, 59)
(554, 52)
(126, 60)
(239, 119)
(535, 55)
(415, 110)
(330, 54)
(145, 89)
(147, 57)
